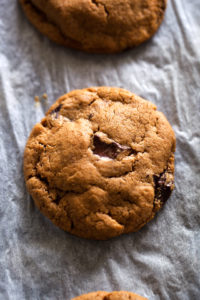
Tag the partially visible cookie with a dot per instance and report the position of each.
(99, 26)
(122, 295)
(101, 162)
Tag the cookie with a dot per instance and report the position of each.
(98, 26)
(101, 162)
(110, 296)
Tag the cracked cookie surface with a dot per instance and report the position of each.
(101, 162)
(98, 26)
(120, 295)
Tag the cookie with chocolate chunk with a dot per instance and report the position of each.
(101, 162)
(98, 26)
(122, 295)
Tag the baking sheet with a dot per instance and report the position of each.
(39, 261)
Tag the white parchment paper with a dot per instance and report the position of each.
(38, 260)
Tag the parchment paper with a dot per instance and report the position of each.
(38, 260)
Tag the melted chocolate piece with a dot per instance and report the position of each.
(163, 189)
(108, 150)
(56, 111)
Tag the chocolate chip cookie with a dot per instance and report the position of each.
(101, 162)
(98, 26)
(110, 296)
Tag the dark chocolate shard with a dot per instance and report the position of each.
(90, 116)
(110, 150)
(163, 188)
(56, 111)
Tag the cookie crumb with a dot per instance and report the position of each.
(44, 96)
(37, 99)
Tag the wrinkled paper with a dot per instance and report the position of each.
(40, 261)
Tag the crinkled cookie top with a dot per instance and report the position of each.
(122, 295)
(101, 162)
(96, 25)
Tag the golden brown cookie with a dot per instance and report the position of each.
(122, 295)
(98, 26)
(101, 162)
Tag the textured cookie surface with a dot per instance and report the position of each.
(110, 296)
(101, 26)
(101, 162)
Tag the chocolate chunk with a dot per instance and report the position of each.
(108, 150)
(163, 188)
(90, 116)
(56, 111)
